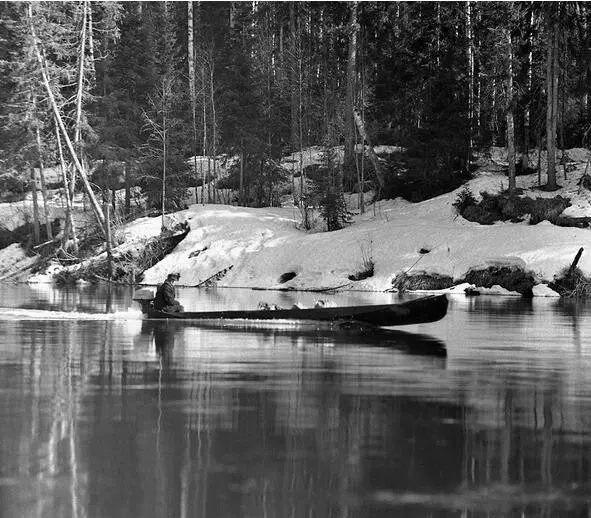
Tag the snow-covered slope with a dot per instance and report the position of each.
(263, 244)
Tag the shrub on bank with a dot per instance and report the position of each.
(510, 278)
(465, 200)
(502, 207)
(421, 281)
(367, 262)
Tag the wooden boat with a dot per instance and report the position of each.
(416, 311)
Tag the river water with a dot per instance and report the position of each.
(105, 415)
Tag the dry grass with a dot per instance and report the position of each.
(367, 262)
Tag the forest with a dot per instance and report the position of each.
(121, 96)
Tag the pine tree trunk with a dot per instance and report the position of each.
(91, 62)
(470, 60)
(478, 94)
(127, 190)
(510, 119)
(361, 167)
(108, 236)
(351, 87)
(529, 74)
(69, 224)
(438, 36)
(36, 230)
(555, 93)
(493, 110)
(551, 105)
(43, 186)
(561, 122)
(213, 127)
(204, 99)
(163, 167)
(80, 78)
(270, 75)
(41, 169)
(241, 191)
(79, 93)
(208, 178)
(192, 90)
(585, 96)
(293, 67)
(232, 15)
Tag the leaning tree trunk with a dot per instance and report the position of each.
(45, 77)
(79, 93)
(375, 161)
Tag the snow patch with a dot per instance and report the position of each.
(543, 290)
(497, 290)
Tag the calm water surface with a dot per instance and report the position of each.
(105, 415)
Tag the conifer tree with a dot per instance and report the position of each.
(327, 188)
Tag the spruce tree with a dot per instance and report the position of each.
(328, 189)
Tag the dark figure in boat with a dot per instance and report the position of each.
(165, 299)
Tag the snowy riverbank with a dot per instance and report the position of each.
(261, 245)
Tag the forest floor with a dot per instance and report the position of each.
(392, 240)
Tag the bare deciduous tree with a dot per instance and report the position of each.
(159, 125)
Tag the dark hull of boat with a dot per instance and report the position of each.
(417, 311)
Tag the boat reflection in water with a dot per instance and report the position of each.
(164, 338)
(164, 332)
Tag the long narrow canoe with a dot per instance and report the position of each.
(417, 311)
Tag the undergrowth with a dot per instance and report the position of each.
(502, 207)
(510, 278)
(571, 284)
(421, 281)
(127, 267)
